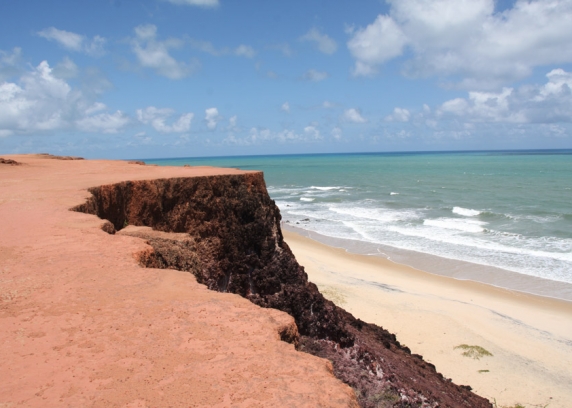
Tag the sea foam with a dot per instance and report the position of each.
(466, 211)
(456, 224)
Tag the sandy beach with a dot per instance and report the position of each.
(529, 337)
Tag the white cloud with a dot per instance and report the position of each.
(337, 133)
(212, 118)
(324, 43)
(43, 102)
(199, 3)
(399, 115)
(467, 38)
(103, 122)
(354, 116)
(316, 76)
(155, 54)
(75, 42)
(285, 107)
(158, 117)
(312, 132)
(208, 47)
(245, 51)
(548, 103)
(257, 136)
(377, 43)
(66, 69)
(232, 123)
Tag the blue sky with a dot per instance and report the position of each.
(181, 78)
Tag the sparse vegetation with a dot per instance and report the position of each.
(518, 405)
(333, 294)
(483, 371)
(475, 352)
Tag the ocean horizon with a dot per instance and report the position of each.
(498, 217)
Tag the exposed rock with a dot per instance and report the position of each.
(142, 163)
(9, 162)
(226, 231)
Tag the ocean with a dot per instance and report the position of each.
(498, 217)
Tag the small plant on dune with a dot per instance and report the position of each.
(475, 352)
(483, 371)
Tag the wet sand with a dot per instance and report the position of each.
(529, 337)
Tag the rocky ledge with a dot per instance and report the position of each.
(225, 230)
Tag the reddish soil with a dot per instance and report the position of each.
(83, 324)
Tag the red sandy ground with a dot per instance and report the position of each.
(82, 324)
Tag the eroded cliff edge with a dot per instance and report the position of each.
(229, 237)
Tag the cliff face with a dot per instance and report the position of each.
(232, 242)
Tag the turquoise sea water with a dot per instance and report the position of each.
(511, 210)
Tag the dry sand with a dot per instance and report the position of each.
(529, 337)
(83, 325)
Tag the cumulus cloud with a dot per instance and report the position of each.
(466, 38)
(154, 54)
(40, 101)
(548, 103)
(158, 118)
(75, 42)
(324, 43)
(375, 44)
(316, 76)
(199, 3)
(285, 107)
(312, 132)
(212, 118)
(399, 115)
(208, 47)
(354, 116)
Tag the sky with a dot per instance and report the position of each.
(192, 78)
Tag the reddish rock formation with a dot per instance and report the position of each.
(232, 242)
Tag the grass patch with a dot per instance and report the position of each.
(475, 352)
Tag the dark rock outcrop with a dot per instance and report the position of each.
(232, 242)
(10, 162)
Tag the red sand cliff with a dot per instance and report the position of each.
(82, 324)
(157, 338)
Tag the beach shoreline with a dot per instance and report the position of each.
(529, 336)
(453, 268)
